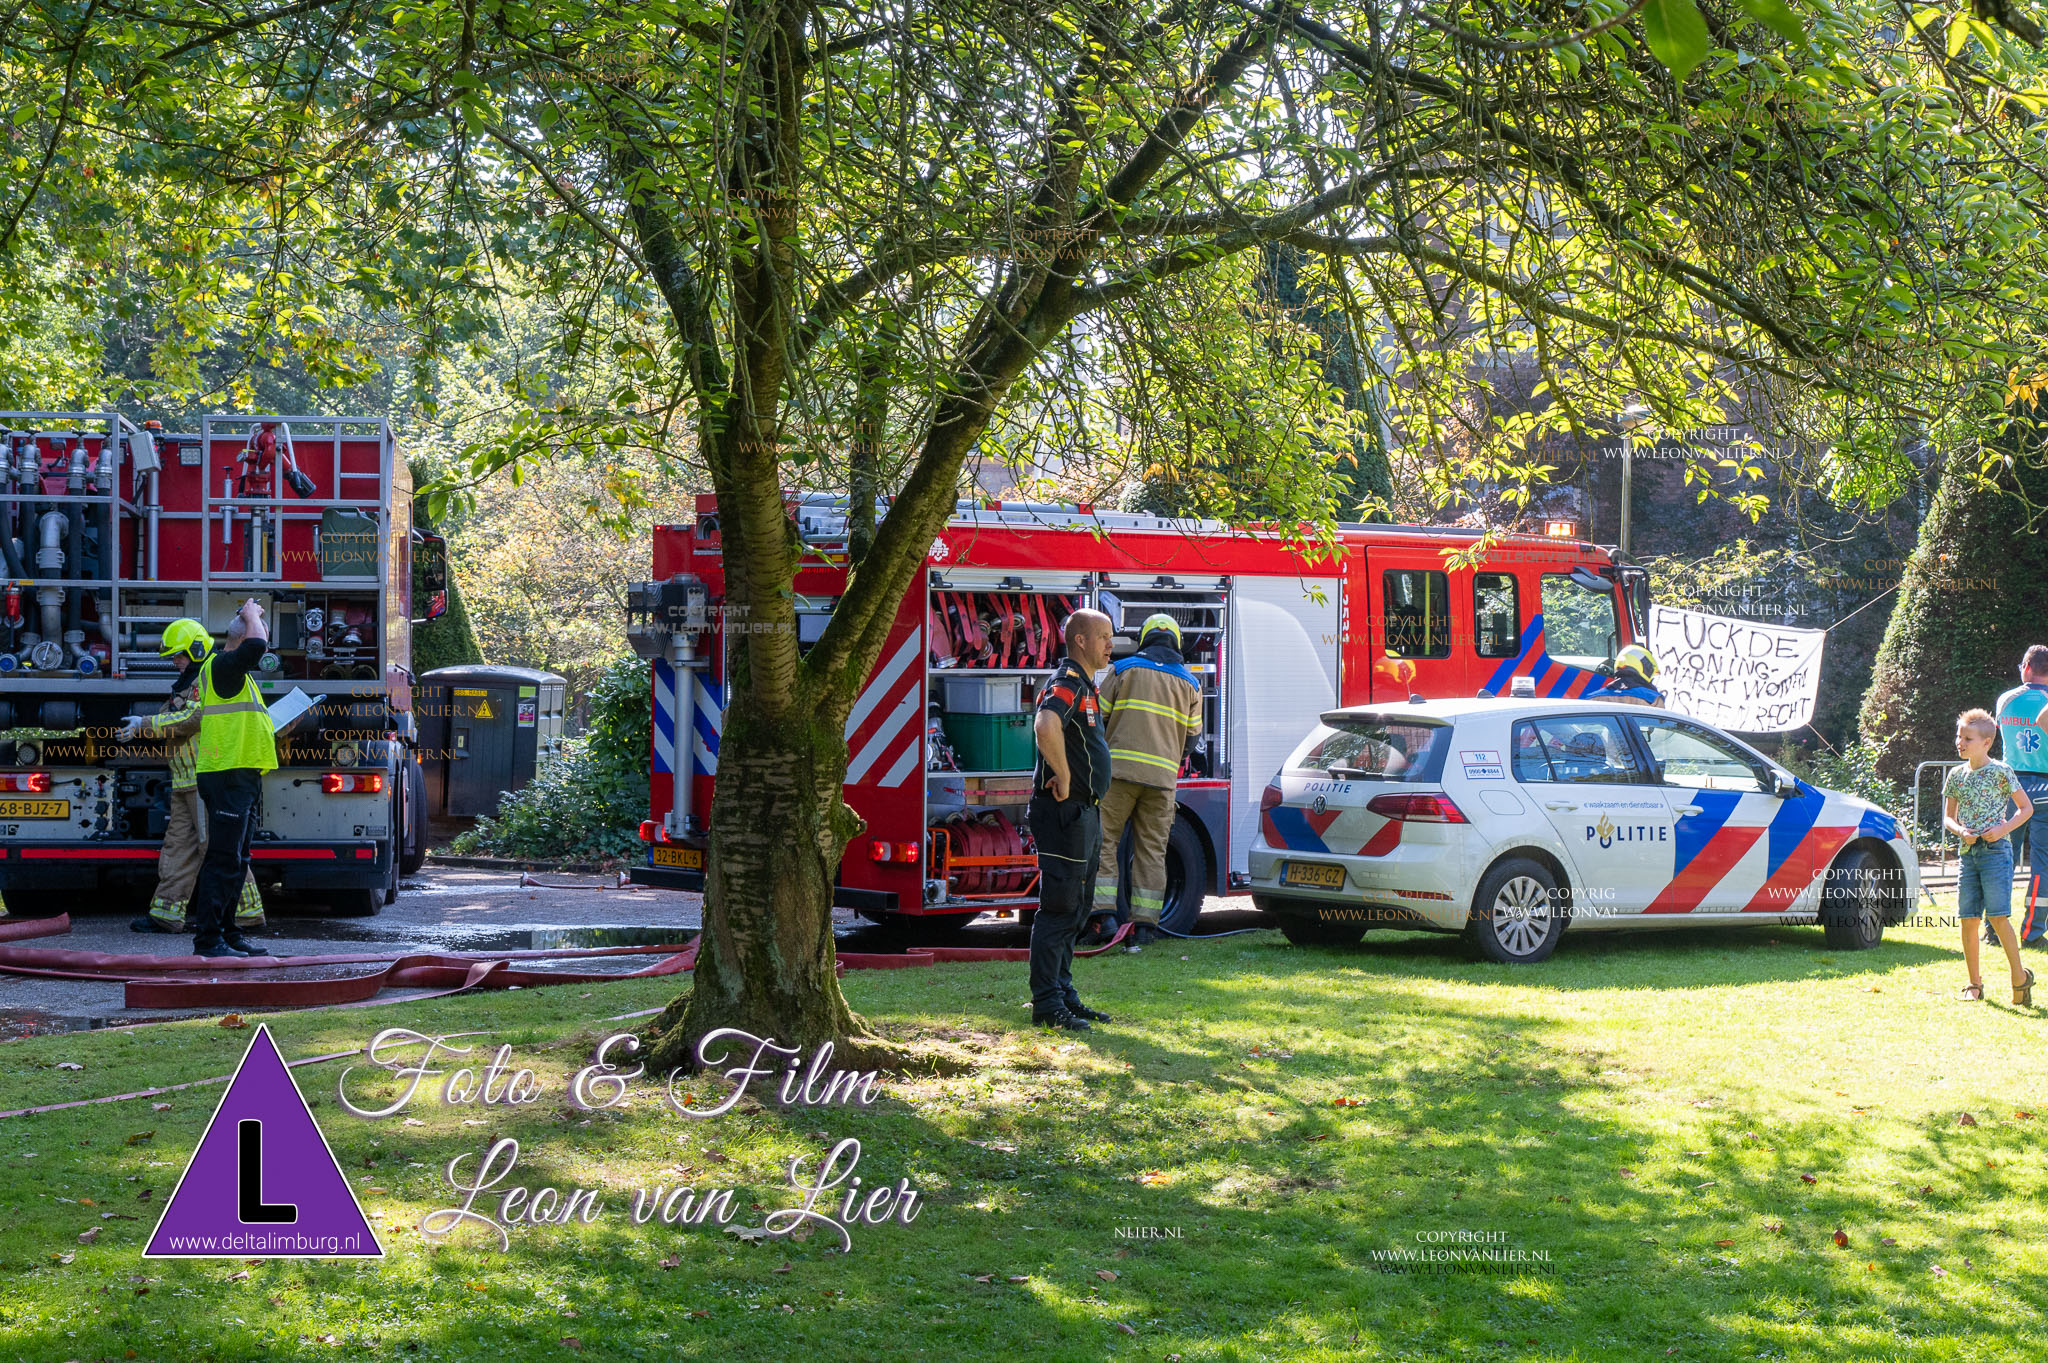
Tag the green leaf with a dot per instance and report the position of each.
(1677, 34)
(1778, 17)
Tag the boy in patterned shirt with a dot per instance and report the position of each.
(1973, 808)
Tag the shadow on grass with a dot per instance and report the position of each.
(1267, 1232)
(1651, 958)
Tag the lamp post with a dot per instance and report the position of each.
(1632, 416)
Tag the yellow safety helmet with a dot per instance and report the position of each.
(1636, 658)
(186, 636)
(1160, 621)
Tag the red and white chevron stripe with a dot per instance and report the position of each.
(885, 732)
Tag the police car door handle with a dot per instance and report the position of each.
(1690, 809)
(1559, 805)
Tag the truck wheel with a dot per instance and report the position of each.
(1518, 913)
(398, 813)
(1852, 902)
(355, 903)
(415, 818)
(1313, 932)
(1187, 879)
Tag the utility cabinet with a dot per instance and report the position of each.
(484, 730)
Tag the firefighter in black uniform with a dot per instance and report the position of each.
(1073, 776)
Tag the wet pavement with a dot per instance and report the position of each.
(446, 909)
(440, 909)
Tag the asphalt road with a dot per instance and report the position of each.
(443, 908)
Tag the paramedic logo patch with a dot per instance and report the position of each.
(263, 1180)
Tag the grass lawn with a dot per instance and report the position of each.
(1667, 1131)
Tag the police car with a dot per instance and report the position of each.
(1516, 821)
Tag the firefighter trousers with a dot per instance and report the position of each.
(230, 798)
(1067, 833)
(177, 867)
(1149, 811)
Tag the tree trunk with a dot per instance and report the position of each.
(778, 827)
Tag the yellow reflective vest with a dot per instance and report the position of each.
(234, 734)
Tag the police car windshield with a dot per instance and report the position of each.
(1373, 750)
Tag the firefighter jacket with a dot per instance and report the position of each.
(178, 725)
(1153, 707)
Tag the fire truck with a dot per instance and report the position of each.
(940, 748)
(111, 529)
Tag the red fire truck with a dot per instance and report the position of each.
(113, 529)
(939, 742)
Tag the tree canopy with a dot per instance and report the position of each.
(853, 243)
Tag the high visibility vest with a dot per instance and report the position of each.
(233, 734)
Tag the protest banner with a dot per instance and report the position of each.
(1744, 676)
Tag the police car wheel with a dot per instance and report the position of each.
(1852, 902)
(1517, 914)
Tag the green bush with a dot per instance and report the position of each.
(587, 800)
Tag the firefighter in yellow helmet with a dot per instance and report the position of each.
(235, 746)
(1152, 706)
(1635, 671)
(184, 845)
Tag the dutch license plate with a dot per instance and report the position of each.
(691, 857)
(35, 809)
(1313, 874)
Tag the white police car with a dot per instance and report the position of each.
(1516, 821)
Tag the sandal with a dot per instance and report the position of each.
(1970, 993)
(2023, 994)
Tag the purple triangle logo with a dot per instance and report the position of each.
(263, 1180)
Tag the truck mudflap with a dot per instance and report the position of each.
(666, 878)
(346, 865)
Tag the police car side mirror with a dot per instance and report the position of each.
(1783, 786)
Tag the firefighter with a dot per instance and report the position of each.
(184, 845)
(1152, 710)
(1635, 668)
(1072, 778)
(236, 745)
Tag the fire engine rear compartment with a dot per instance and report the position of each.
(939, 748)
(310, 516)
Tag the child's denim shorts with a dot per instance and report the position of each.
(1984, 882)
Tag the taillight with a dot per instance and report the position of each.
(1270, 798)
(893, 851)
(353, 782)
(1417, 808)
(26, 782)
(648, 828)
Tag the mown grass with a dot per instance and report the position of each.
(1679, 1122)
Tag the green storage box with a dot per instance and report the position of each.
(993, 742)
